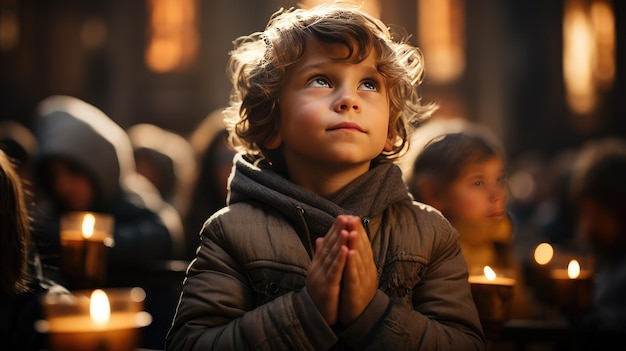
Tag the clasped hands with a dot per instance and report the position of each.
(342, 278)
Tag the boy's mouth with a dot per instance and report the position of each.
(497, 215)
(346, 126)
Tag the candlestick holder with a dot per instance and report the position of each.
(95, 320)
(85, 239)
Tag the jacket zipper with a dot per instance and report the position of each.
(306, 241)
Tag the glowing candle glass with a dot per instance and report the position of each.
(95, 320)
(85, 239)
(493, 296)
(573, 289)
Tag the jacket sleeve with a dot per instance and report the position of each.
(217, 309)
(442, 316)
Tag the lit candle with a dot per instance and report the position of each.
(85, 238)
(573, 288)
(493, 295)
(99, 321)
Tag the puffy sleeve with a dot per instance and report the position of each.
(218, 307)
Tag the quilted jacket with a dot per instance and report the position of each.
(245, 290)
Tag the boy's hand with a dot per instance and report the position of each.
(323, 280)
(360, 280)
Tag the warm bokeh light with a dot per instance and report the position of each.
(543, 253)
(603, 24)
(588, 53)
(9, 30)
(89, 221)
(371, 7)
(172, 34)
(522, 185)
(573, 269)
(577, 58)
(99, 307)
(440, 28)
(93, 33)
(490, 274)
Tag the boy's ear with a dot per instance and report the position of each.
(273, 142)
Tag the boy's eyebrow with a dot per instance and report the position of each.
(370, 70)
(310, 67)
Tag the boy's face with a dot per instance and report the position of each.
(478, 194)
(69, 186)
(334, 114)
(601, 226)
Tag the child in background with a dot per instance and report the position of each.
(463, 175)
(598, 189)
(166, 159)
(214, 157)
(21, 276)
(85, 162)
(321, 246)
(15, 233)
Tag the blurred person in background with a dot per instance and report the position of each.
(85, 163)
(167, 160)
(214, 157)
(463, 174)
(21, 276)
(598, 189)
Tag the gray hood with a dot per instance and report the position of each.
(72, 129)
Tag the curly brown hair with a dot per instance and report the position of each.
(259, 62)
(14, 230)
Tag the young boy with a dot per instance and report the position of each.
(598, 191)
(462, 173)
(321, 247)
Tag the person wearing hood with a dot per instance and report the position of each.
(85, 163)
(321, 246)
(214, 157)
(167, 160)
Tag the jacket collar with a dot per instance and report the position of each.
(367, 196)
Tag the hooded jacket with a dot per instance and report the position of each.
(73, 130)
(246, 287)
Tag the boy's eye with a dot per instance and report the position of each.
(319, 82)
(477, 183)
(369, 85)
(502, 180)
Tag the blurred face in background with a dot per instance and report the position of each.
(478, 194)
(69, 186)
(602, 227)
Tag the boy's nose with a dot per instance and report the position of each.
(347, 102)
(497, 194)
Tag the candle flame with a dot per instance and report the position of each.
(89, 222)
(573, 269)
(99, 307)
(489, 273)
(543, 253)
